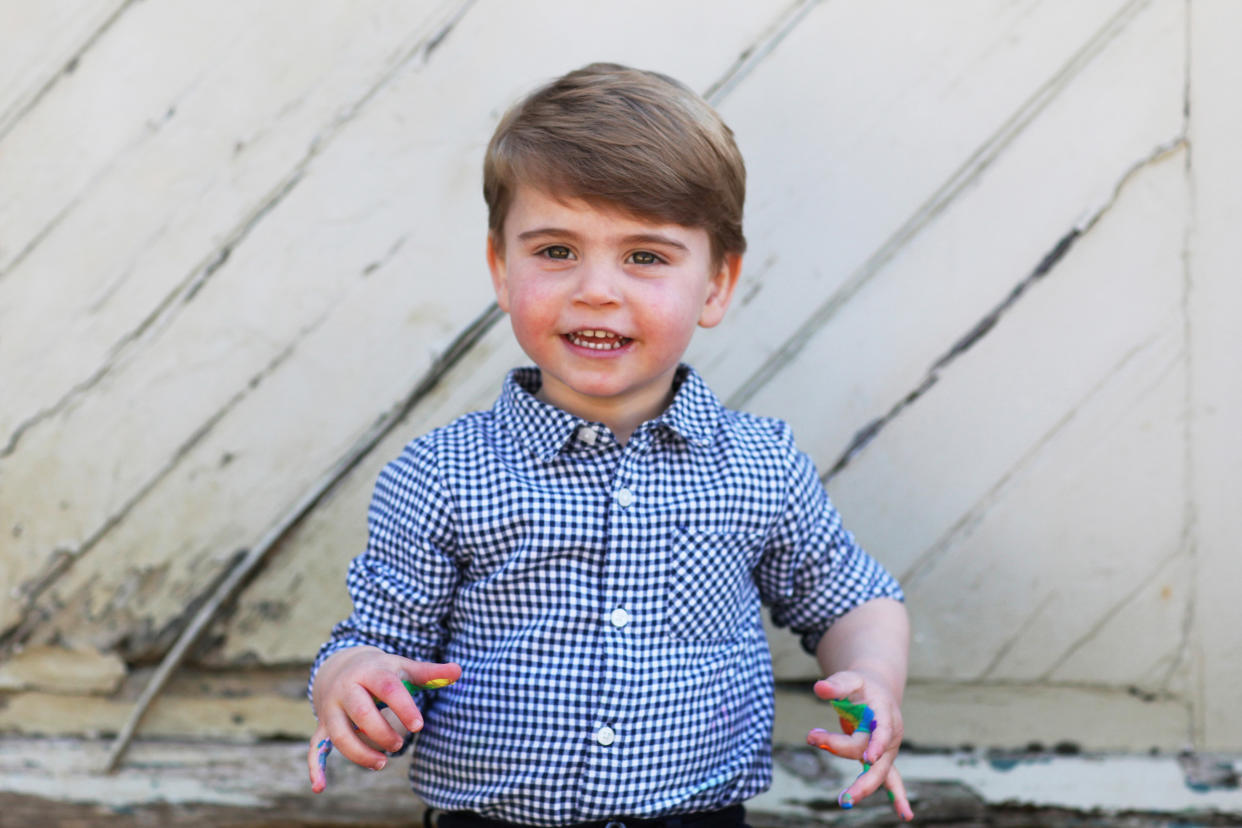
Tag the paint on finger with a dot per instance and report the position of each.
(859, 715)
(412, 688)
(324, 748)
(434, 684)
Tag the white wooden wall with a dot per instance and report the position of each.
(238, 240)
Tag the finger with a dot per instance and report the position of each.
(387, 690)
(317, 759)
(421, 675)
(839, 744)
(838, 685)
(343, 730)
(363, 707)
(897, 792)
(424, 673)
(867, 782)
(883, 740)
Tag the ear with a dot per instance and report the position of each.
(496, 264)
(720, 290)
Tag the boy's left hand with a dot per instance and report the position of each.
(877, 748)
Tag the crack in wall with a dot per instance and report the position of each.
(38, 238)
(1190, 649)
(1059, 250)
(152, 128)
(962, 177)
(21, 108)
(758, 51)
(1025, 685)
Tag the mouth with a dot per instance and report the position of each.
(597, 340)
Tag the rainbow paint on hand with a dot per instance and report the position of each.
(860, 717)
(855, 718)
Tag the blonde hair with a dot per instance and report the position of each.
(635, 140)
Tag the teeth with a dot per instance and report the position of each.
(610, 341)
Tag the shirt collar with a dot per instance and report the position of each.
(545, 429)
(695, 411)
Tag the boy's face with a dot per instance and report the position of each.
(605, 303)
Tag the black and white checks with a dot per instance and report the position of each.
(602, 600)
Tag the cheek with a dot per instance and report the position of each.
(530, 311)
(674, 321)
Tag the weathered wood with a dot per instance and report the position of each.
(115, 269)
(888, 125)
(1056, 444)
(308, 278)
(1214, 342)
(42, 42)
(232, 243)
(882, 346)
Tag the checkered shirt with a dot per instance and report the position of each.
(602, 600)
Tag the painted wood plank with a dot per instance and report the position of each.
(856, 129)
(882, 344)
(1044, 486)
(328, 313)
(135, 176)
(1215, 343)
(201, 176)
(41, 41)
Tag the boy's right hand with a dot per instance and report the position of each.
(344, 696)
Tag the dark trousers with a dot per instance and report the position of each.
(733, 817)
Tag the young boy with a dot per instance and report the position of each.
(589, 556)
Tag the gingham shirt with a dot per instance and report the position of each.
(602, 600)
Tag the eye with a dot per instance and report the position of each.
(556, 251)
(644, 257)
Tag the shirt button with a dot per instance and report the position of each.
(619, 617)
(625, 497)
(587, 435)
(605, 736)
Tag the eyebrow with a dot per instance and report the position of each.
(634, 238)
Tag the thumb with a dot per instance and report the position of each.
(838, 685)
(425, 675)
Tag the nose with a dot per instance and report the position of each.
(597, 284)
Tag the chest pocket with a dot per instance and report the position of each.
(710, 589)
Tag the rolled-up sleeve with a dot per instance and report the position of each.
(402, 585)
(812, 571)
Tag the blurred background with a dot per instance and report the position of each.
(992, 284)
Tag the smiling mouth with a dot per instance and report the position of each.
(598, 340)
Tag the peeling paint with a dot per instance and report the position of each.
(32, 592)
